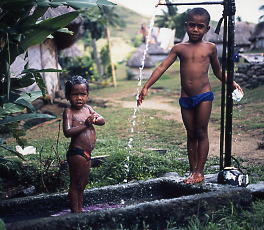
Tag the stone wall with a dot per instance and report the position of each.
(250, 75)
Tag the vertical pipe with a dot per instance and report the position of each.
(230, 77)
(223, 89)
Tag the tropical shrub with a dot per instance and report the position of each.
(21, 28)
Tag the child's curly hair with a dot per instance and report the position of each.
(74, 81)
(198, 11)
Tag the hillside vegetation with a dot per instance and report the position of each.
(121, 38)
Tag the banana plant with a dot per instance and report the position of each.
(21, 27)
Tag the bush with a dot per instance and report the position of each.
(79, 66)
(46, 175)
(137, 40)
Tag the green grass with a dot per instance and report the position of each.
(228, 219)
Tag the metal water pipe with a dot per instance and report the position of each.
(231, 10)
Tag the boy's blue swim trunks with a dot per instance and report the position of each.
(193, 101)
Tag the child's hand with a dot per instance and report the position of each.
(141, 96)
(237, 86)
(90, 120)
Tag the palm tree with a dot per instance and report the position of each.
(171, 19)
(94, 28)
(111, 19)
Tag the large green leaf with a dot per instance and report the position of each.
(12, 108)
(41, 70)
(41, 84)
(105, 3)
(39, 32)
(82, 4)
(16, 2)
(24, 81)
(23, 117)
(32, 19)
(76, 4)
(30, 96)
(61, 2)
(26, 104)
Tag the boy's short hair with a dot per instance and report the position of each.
(74, 81)
(198, 11)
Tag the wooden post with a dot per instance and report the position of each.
(110, 56)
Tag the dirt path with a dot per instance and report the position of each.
(243, 145)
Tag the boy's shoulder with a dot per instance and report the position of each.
(209, 44)
(179, 46)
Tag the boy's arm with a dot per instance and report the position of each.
(68, 130)
(215, 64)
(157, 73)
(217, 69)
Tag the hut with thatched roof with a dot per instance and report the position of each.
(45, 55)
(136, 61)
(257, 38)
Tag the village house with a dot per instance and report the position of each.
(257, 38)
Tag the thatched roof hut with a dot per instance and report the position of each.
(257, 38)
(45, 55)
(135, 60)
(243, 32)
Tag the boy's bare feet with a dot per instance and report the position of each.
(194, 178)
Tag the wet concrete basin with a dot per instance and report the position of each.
(153, 202)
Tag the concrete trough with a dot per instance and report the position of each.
(153, 203)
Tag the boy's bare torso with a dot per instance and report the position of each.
(87, 138)
(194, 64)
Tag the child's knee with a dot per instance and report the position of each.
(197, 134)
(191, 134)
(79, 184)
(201, 133)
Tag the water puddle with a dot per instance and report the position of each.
(90, 208)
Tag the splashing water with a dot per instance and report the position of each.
(141, 68)
(136, 108)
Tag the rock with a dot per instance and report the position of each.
(38, 103)
(63, 103)
(257, 190)
(249, 75)
(171, 174)
(60, 94)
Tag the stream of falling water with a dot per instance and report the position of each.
(139, 84)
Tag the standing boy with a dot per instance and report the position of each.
(78, 124)
(196, 97)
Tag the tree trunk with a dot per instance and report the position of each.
(97, 59)
(110, 55)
